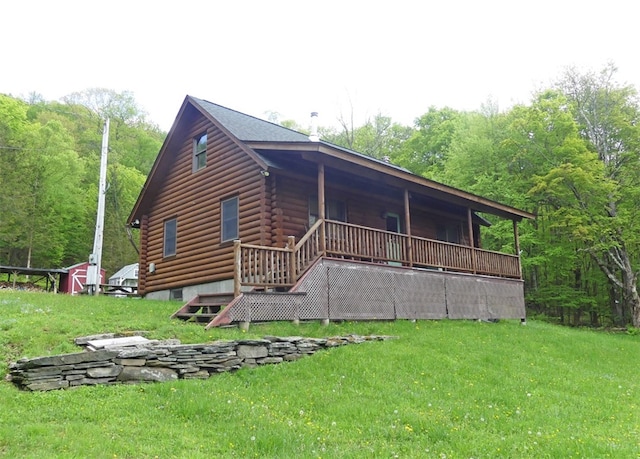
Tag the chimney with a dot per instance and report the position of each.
(314, 137)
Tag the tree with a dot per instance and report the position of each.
(379, 137)
(608, 115)
(50, 156)
(15, 132)
(41, 175)
(425, 151)
(503, 156)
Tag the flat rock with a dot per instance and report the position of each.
(119, 342)
(131, 362)
(51, 385)
(83, 340)
(147, 374)
(104, 372)
(252, 352)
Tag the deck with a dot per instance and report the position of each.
(268, 267)
(341, 271)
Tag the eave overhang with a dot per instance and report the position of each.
(395, 176)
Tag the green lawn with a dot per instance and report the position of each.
(455, 389)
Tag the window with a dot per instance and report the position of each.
(448, 233)
(333, 210)
(175, 294)
(170, 237)
(199, 152)
(393, 222)
(229, 211)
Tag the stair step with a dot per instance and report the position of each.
(204, 307)
(196, 314)
(208, 305)
(197, 317)
(215, 297)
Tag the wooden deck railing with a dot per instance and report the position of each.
(282, 267)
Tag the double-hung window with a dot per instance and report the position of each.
(170, 237)
(199, 152)
(230, 220)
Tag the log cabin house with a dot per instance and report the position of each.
(246, 220)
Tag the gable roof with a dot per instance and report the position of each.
(250, 129)
(253, 134)
(126, 272)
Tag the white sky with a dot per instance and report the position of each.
(396, 57)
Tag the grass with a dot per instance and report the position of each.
(455, 389)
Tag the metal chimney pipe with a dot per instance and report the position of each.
(314, 137)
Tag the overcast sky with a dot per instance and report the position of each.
(396, 57)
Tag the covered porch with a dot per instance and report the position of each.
(410, 209)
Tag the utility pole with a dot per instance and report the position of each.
(95, 259)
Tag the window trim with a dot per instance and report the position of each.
(166, 239)
(236, 234)
(199, 151)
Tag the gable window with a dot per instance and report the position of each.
(199, 152)
(230, 219)
(448, 233)
(333, 210)
(170, 237)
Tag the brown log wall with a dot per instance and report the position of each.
(194, 199)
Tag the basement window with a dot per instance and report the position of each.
(230, 219)
(175, 294)
(199, 152)
(170, 237)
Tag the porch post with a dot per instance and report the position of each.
(291, 245)
(237, 268)
(516, 240)
(407, 225)
(321, 216)
(473, 248)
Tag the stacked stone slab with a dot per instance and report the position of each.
(165, 361)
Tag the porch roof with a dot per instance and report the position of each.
(263, 136)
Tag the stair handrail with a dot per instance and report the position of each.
(309, 233)
(300, 264)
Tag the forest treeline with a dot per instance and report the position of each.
(571, 156)
(49, 174)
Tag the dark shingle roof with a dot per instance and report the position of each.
(248, 128)
(251, 129)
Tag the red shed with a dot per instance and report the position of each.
(74, 280)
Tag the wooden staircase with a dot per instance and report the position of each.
(203, 308)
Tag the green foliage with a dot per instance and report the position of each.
(481, 390)
(50, 154)
(426, 151)
(378, 137)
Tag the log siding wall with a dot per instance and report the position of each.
(194, 198)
